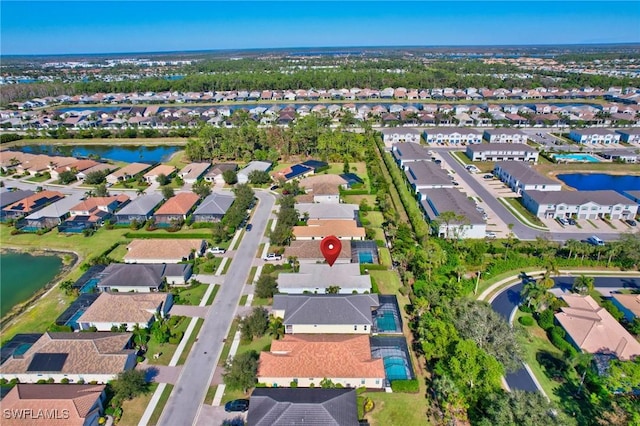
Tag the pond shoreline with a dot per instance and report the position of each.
(69, 259)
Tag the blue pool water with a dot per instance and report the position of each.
(585, 158)
(395, 368)
(90, 285)
(22, 349)
(386, 322)
(597, 181)
(365, 257)
(73, 321)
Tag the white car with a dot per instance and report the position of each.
(216, 250)
(272, 256)
(491, 235)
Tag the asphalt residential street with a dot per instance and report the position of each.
(188, 394)
(509, 299)
(522, 231)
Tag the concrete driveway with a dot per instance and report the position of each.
(214, 415)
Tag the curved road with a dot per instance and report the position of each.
(189, 392)
(508, 300)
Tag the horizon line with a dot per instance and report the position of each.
(290, 48)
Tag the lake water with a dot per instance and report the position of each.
(127, 153)
(595, 181)
(22, 274)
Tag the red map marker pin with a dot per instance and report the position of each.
(330, 247)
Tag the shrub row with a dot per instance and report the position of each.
(164, 235)
(405, 386)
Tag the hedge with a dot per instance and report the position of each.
(405, 386)
(526, 321)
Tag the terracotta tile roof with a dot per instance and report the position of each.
(310, 249)
(179, 204)
(320, 355)
(173, 250)
(87, 353)
(594, 330)
(124, 307)
(629, 301)
(93, 203)
(320, 228)
(325, 189)
(130, 170)
(33, 201)
(309, 183)
(162, 169)
(71, 403)
(81, 165)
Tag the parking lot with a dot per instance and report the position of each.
(591, 225)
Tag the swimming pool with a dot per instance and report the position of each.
(580, 158)
(90, 286)
(365, 257)
(73, 321)
(396, 368)
(386, 322)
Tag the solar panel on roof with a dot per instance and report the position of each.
(47, 362)
(296, 170)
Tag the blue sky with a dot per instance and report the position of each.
(54, 27)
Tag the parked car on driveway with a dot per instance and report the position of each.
(562, 221)
(272, 256)
(237, 405)
(631, 222)
(487, 176)
(571, 221)
(491, 235)
(216, 250)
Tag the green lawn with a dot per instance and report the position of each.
(118, 253)
(40, 178)
(133, 410)
(239, 240)
(357, 199)
(260, 250)
(258, 345)
(385, 256)
(192, 295)
(230, 395)
(167, 349)
(375, 218)
(227, 264)
(258, 301)
(178, 160)
(252, 274)
(406, 409)
(211, 393)
(191, 341)
(534, 341)
(483, 166)
(164, 397)
(227, 343)
(243, 300)
(388, 281)
(516, 204)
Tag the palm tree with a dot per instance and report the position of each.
(582, 285)
(535, 295)
(276, 327)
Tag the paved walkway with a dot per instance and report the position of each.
(189, 311)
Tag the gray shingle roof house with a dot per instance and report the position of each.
(521, 177)
(326, 313)
(214, 207)
(406, 152)
(52, 215)
(280, 406)
(142, 277)
(328, 211)
(243, 175)
(502, 152)
(434, 202)
(139, 209)
(580, 204)
(316, 278)
(9, 197)
(427, 174)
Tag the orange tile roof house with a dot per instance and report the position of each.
(88, 356)
(31, 204)
(165, 251)
(177, 207)
(309, 358)
(629, 304)
(192, 172)
(131, 309)
(162, 169)
(317, 229)
(127, 172)
(94, 211)
(591, 328)
(53, 405)
(308, 251)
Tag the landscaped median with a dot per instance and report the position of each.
(524, 216)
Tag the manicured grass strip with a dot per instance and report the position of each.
(211, 393)
(226, 266)
(260, 250)
(461, 157)
(593, 224)
(239, 240)
(407, 409)
(164, 234)
(193, 295)
(153, 420)
(257, 301)
(385, 256)
(535, 343)
(243, 300)
(227, 344)
(39, 178)
(267, 230)
(252, 275)
(190, 342)
(132, 410)
(516, 204)
(212, 296)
